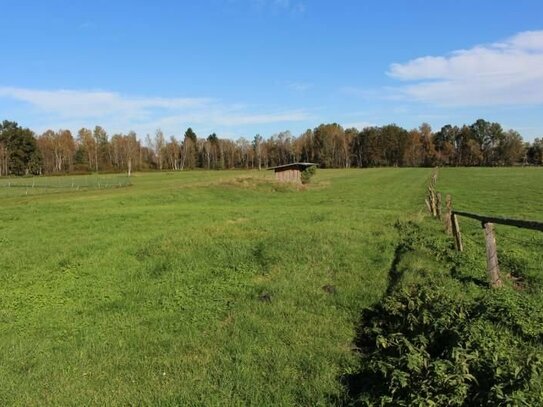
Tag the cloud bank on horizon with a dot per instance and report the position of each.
(76, 108)
(503, 73)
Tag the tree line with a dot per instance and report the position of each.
(482, 143)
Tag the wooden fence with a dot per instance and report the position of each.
(452, 226)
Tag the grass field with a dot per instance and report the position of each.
(206, 288)
(509, 192)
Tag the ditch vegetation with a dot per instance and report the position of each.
(440, 337)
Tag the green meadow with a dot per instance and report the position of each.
(223, 287)
(515, 193)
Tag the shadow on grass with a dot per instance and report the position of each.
(395, 275)
(359, 383)
(471, 280)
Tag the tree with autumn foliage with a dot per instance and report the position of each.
(481, 143)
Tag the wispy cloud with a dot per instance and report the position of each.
(361, 93)
(503, 73)
(75, 108)
(87, 25)
(296, 6)
(299, 86)
(95, 104)
(291, 6)
(265, 118)
(358, 125)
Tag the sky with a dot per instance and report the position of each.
(244, 67)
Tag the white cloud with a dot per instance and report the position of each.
(504, 73)
(76, 103)
(73, 109)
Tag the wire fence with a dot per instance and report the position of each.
(38, 185)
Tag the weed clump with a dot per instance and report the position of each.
(265, 297)
(422, 346)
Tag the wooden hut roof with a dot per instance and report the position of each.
(292, 165)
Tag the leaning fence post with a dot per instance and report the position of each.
(432, 201)
(434, 177)
(456, 232)
(448, 215)
(427, 202)
(438, 205)
(492, 265)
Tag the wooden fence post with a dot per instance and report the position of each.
(448, 215)
(428, 205)
(492, 266)
(456, 233)
(432, 201)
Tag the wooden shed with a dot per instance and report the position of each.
(290, 172)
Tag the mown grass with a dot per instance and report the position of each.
(196, 288)
(206, 288)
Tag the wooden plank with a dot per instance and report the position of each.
(524, 224)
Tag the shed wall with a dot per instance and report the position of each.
(290, 175)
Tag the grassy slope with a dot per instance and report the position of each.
(150, 294)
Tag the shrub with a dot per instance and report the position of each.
(308, 173)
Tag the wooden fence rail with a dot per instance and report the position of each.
(487, 222)
(524, 224)
(452, 226)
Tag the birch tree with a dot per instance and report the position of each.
(158, 144)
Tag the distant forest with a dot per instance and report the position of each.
(22, 152)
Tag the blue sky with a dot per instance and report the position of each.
(242, 67)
